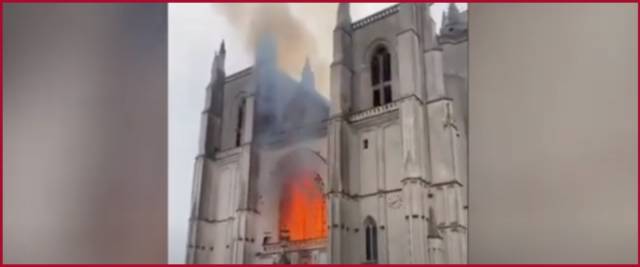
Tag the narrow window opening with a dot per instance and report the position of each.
(386, 66)
(371, 240)
(240, 125)
(375, 71)
(376, 98)
(374, 243)
(381, 77)
(368, 242)
(387, 94)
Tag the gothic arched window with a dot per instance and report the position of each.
(371, 240)
(381, 76)
(240, 125)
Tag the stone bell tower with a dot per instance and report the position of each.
(221, 209)
(209, 144)
(395, 148)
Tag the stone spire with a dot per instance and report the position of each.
(222, 54)
(308, 79)
(454, 23)
(223, 51)
(341, 67)
(212, 131)
(453, 14)
(217, 68)
(214, 66)
(344, 16)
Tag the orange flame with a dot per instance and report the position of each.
(302, 208)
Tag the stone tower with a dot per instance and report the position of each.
(396, 140)
(221, 205)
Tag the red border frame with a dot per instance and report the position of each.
(270, 1)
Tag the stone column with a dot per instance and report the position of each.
(408, 50)
(334, 189)
(195, 208)
(414, 185)
(341, 86)
(243, 238)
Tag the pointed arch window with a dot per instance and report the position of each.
(240, 125)
(371, 240)
(381, 77)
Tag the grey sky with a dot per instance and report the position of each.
(195, 32)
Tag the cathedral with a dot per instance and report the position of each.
(376, 174)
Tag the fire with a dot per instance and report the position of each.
(303, 213)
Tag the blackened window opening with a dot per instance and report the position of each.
(381, 77)
(371, 240)
(240, 125)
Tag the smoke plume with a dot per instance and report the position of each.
(296, 41)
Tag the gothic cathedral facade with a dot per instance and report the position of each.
(378, 174)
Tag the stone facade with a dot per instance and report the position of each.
(387, 155)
